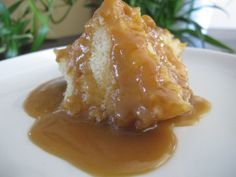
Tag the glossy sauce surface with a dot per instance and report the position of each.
(96, 148)
(143, 77)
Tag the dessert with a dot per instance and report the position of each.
(125, 89)
(125, 70)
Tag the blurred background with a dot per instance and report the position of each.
(71, 25)
(27, 25)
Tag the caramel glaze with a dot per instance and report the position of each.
(96, 148)
(145, 77)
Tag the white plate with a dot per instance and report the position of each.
(206, 149)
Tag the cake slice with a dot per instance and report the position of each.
(125, 70)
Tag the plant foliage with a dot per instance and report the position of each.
(31, 26)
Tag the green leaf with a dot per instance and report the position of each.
(43, 3)
(5, 15)
(61, 18)
(177, 6)
(91, 5)
(197, 28)
(26, 12)
(132, 2)
(12, 49)
(207, 39)
(20, 26)
(40, 26)
(194, 9)
(22, 36)
(217, 43)
(188, 4)
(14, 6)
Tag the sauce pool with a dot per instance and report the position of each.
(100, 149)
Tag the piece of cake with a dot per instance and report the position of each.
(125, 70)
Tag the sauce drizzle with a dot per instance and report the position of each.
(100, 149)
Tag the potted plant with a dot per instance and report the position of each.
(28, 30)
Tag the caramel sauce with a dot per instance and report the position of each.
(97, 148)
(145, 77)
(124, 125)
